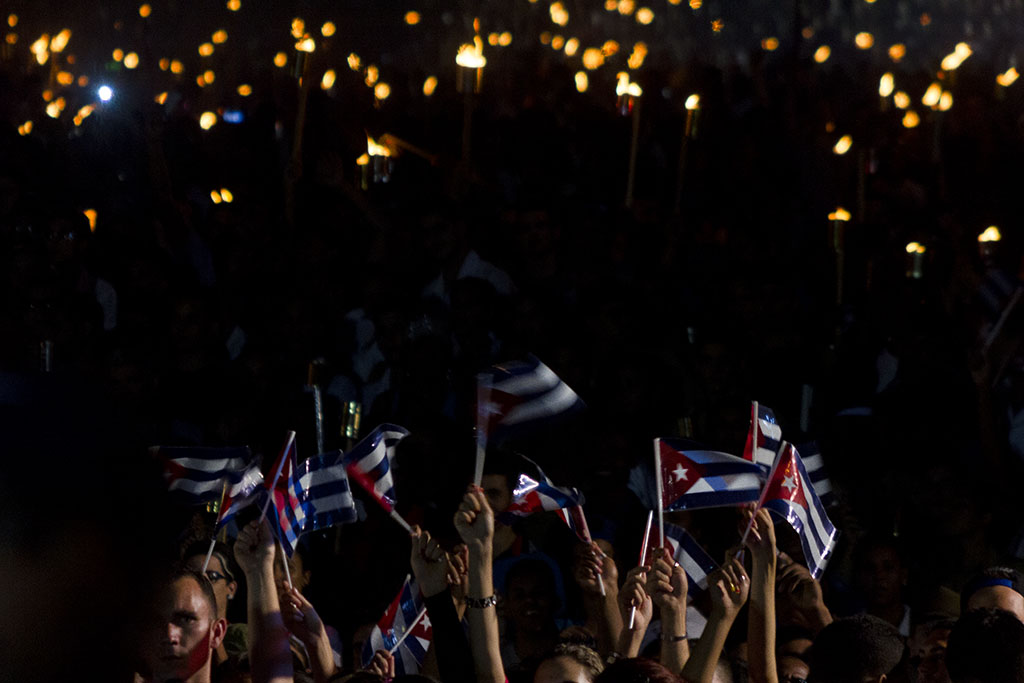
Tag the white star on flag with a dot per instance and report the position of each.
(679, 473)
(790, 484)
(425, 621)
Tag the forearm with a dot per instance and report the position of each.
(603, 618)
(761, 622)
(700, 667)
(321, 657)
(483, 622)
(269, 652)
(630, 640)
(675, 651)
(449, 643)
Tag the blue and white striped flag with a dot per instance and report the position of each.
(370, 463)
(198, 475)
(764, 437)
(691, 557)
(810, 454)
(524, 395)
(321, 487)
(701, 479)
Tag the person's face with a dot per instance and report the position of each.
(999, 597)
(883, 577)
(561, 670)
(930, 656)
(530, 603)
(223, 587)
(183, 633)
(300, 575)
(498, 491)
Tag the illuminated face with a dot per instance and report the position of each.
(561, 670)
(499, 493)
(182, 634)
(223, 587)
(999, 597)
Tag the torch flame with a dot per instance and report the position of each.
(60, 41)
(1007, 79)
(693, 102)
(991, 234)
(843, 145)
(915, 248)
(472, 56)
(840, 214)
(886, 85)
(374, 149)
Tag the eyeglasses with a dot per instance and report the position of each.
(214, 577)
(792, 679)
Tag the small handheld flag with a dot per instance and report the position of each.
(404, 628)
(764, 437)
(700, 479)
(790, 495)
(197, 475)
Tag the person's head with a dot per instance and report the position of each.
(792, 668)
(501, 475)
(638, 670)
(986, 646)
(881, 571)
(569, 662)
(184, 629)
(530, 599)
(928, 651)
(856, 649)
(298, 566)
(995, 587)
(220, 571)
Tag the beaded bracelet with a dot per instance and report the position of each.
(673, 639)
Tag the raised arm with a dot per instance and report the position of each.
(729, 587)
(594, 568)
(474, 521)
(269, 653)
(305, 624)
(761, 622)
(633, 594)
(666, 583)
(799, 597)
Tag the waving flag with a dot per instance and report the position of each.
(198, 475)
(322, 490)
(405, 626)
(691, 557)
(524, 395)
(537, 493)
(810, 454)
(283, 498)
(700, 479)
(369, 463)
(790, 494)
(764, 437)
(240, 495)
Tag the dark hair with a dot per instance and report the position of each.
(986, 646)
(877, 541)
(204, 585)
(993, 576)
(637, 670)
(853, 649)
(220, 550)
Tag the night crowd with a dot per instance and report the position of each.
(179, 321)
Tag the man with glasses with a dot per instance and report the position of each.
(229, 658)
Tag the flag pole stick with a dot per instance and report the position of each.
(590, 539)
(760, 501)
(754, 413)
(483, 397)
(643, 555)
(284, 561)
(280, 466)
(408, 630)
(209, 554)
(401, 520)
(661, 492)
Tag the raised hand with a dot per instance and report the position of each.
(254, 549)
(382, 664)
(474, 520)
(729, 587)
(666, 582)
(799, 596)
(299, 615)
(429, 563)
(634, 594)
(591, 567)
(761, 539)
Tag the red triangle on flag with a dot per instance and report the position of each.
(678, 473)
(786, 482)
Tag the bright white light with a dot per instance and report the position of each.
(105, 92)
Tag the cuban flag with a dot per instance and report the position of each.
(790, 495)
(198, 475)
(369, 463)
(284, 501)
(537, 494)
(240, 495)
(523, 395)
(322, 490)
(691, 557)
(810, 454)
(404, 631)
(764, 437)
(701, 479)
